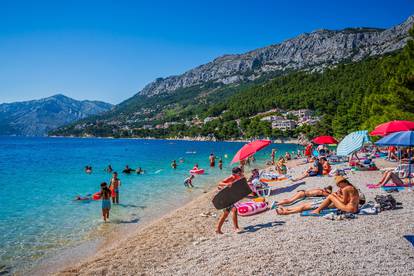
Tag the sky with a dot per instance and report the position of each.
(109, 50)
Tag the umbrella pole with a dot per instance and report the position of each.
(409, 169)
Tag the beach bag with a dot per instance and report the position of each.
(386, 202)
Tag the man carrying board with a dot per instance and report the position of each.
(228, 182)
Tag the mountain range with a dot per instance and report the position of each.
(313, 51)
(38, 117)
(198, 93)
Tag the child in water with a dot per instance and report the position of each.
(220, 164)
(188, 182)
(106, 201)
(114, 187)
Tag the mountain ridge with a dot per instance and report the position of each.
(38, 117)
(305, 50)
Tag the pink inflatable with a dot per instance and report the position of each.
(251, 208)
(199, 171)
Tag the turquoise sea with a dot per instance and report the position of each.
(39, 178)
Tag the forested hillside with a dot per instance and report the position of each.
(348, 97)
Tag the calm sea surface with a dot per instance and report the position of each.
(39, 178)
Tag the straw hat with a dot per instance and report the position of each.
(340, 178)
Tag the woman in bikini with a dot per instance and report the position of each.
(302, 194)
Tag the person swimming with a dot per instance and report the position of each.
(127, 170)
(82, 198)
(88, 169)
(109, 169)
(174, 164)
(140, 171)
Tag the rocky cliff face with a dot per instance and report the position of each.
(310, 51)
(36, 118)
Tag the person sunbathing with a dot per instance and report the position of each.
(392, 156)
(346, 199)
(300, 207)
(390, 175)
(302, 194)
(314, 170)
(325, 165)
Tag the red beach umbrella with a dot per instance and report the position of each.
(249, 149)
(324, 140)
(393, 126)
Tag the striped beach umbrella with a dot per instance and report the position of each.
(352, 143)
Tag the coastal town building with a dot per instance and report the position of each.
(272, 118)
(284, 124)
(303, 114)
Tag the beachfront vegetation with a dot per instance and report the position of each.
(348, 97)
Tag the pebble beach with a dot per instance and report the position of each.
(183, 242)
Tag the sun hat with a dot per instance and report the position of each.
(340, 178)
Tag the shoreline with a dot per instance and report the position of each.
(80, 253)
(183, 242)
(190, 139)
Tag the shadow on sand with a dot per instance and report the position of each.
(287, 189)
(257, 227)
(131, 221)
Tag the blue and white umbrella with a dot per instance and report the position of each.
(352, 143)
(402, 139)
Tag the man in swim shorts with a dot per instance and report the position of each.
(212, 159)
(236, 175)
(114, 187)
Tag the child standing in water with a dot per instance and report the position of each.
(220, 164)
(106, 201)
(188, 182)
(114, 187)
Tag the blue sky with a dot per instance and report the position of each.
(109, 50)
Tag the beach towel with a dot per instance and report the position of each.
(391, 188)
(386, 186)
(308, 213)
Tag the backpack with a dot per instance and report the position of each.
(386, 202)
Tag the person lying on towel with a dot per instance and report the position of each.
(303, 194)
(314, 170)
(345, 199)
